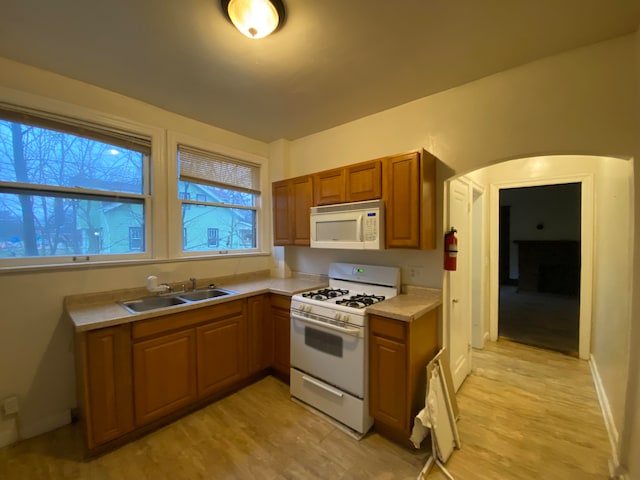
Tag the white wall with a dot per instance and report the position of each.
(580, 102)
(36, 342)
(612, 280)
(630, 436)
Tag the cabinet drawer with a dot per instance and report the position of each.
(389, 328)
(154, 326)
(281, 301)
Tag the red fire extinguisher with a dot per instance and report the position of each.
(450, 250)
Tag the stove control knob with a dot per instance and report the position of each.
(338, 316)
(345, 318)
(307, 308)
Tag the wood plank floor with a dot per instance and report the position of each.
(525, 413)
(543, 320)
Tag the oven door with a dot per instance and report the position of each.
(332, 353)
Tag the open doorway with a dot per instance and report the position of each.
(539, 266)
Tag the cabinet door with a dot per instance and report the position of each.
(388, 388)
(107, 376)
(259, 333)
(403, 201)
(364, 181)
(221, 354)
(164, 372)
(282, 216)
(301, 203)
(329, 187)
(282, 334)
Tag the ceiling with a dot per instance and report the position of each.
(332, 62)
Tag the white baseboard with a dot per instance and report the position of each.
(605, 407)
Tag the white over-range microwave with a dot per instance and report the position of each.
(358, 225)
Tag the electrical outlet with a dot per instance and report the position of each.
(10, 405)
(415, 273)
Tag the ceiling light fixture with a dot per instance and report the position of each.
(254, 18)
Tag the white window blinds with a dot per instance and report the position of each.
(217, 170)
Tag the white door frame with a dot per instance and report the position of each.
(587, 209)
(477, 267)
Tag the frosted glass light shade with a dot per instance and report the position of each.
(254, 18)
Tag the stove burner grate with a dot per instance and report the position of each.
(326, 293)
(360, 301)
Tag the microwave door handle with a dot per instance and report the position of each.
(359, 228)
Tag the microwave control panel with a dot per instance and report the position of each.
(370, 226)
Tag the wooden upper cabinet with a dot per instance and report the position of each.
(405, 182)
(409, 194)
(355, 183)
(292, 199)
(301, 203)
(364, 181)
(282, 221)
(329, 187)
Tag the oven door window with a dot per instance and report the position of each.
(322, 341)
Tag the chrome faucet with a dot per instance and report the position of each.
(166, 287)
(193, 283)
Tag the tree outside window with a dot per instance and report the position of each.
(63, 194)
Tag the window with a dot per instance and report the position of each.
(228, 190)
(69, 189)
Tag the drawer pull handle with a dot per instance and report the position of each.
(333, 391)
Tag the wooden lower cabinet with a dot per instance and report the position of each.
(388, 385)
(280, 314)
(259, 334)
(105, 384)
(134, 377)
(222, 354)
(164, 373)
(398, 355)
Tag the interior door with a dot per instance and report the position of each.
(459, 295)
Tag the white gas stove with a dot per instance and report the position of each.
(329, 344)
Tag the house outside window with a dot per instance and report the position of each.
(68, 189)
(136, 238)
(212, 237)
(228, 192)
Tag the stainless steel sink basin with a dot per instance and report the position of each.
(164, 301)
(199, 295)
(152, 303)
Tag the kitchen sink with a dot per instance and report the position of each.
(152, 303)
(164, 301)
(199, 295)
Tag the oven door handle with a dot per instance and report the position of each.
(349, 331)
(324, 387)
